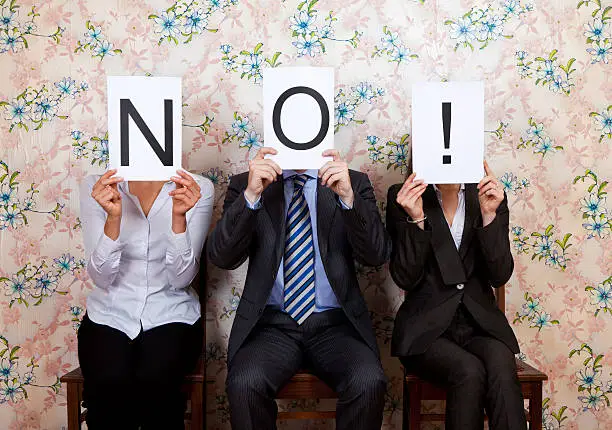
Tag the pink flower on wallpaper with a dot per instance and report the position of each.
(10, 315)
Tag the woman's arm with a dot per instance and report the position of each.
(185, 248)
(495, 245)
(100, 228)
(411, 244)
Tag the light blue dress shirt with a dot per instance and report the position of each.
(325, 299)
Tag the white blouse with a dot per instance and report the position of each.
(143, 278)
(456, 228)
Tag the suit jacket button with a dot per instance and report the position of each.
(260, 311)
(460, 286)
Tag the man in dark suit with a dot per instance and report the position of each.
(450, 246)
(301, 305)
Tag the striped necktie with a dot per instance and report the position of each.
(299, 256)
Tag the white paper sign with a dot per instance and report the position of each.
(144, 126)
(448, 132)
(299, 115)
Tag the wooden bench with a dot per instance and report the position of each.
(305, 385)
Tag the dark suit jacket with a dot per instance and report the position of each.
(437, 277)
(259, 235)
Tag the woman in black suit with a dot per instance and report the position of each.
(450, 246)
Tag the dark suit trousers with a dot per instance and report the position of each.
(479, 373)
(131, 384)
(329, 346)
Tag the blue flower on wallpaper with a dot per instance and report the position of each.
(394, 154)
(38, 106)
(251, 140)
(308, 45)
(594, 392)
(76, 315)
(593, 205)
(393, 48)
(67, 86)
(39, 281)
(485, 25)
(544, 247)
(13, 209)
(603, 123)
(303, 22)
(597, 32)
(536, 138)
(167, 25)
(595, 214)
(95, 148)
(512, 183)
(14, 34)
(188, 18)
(8, 370)
(95, 42)
(252, 65)
(216, 176)
(310, 35)
(240, 129)
(249, 63)
(195, 22)
(346, 105)
(344, 113)
(547, 71)
(464, 31)
(601, 296)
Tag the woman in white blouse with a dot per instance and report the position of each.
(142, 331)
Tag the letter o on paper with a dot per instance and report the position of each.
(276, 118)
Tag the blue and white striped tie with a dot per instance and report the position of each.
(299, 256)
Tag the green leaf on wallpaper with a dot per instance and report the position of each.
(12, 355)
(600, 191)
(152, 16)
(301, 5)
(257, 48)
(212, 30)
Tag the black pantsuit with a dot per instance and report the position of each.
(132, 383)
(449, 330)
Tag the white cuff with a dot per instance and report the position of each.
(253, 206)
(180, 242)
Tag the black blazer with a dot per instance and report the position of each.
(259, 235)
(437, 277)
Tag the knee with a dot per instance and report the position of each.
(471, 373)
(501, 368)
(245, 379)
(368, 381)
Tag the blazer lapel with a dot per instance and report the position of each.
(471, 215)
(326, 210)
(449, 262)
(274, 202)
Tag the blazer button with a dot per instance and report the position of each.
(460, 286)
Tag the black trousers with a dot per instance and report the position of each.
(479, 373)
(328, 345)
(132, 383)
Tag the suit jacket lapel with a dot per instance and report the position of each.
(471, 215)
(274, 202)
(449, 262)
(326, 210)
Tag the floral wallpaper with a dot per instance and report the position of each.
(548, 80)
